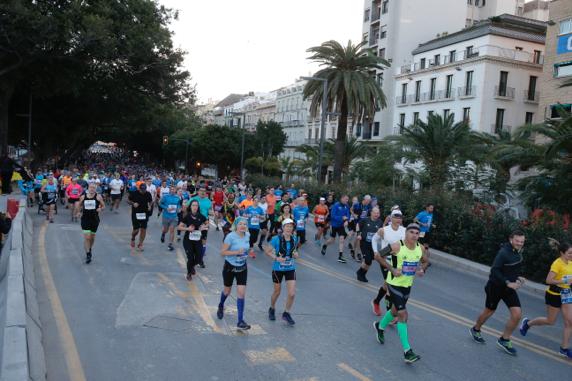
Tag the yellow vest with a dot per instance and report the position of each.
(408, 262)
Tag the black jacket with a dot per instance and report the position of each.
(506, 266)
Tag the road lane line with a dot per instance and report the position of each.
(346, 368)
(71, 355)
(269, 356)
(442, 313)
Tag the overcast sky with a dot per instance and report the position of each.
(237, 46)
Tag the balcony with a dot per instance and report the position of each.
(312, 142)
(497, 128)
(374, 38)
(467, 92)
(444, 95)
(376, 15)
(531, 96)
(402, 100)
(503, 92)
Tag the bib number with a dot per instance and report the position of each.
(89, 205)
(241, 259)
(409, 268)
(75, 192)
(321, 218)
(195, 235)
(566, 296)
(172, 208)
(255, 221)
(369, 236)
(301, 224)
(141, 216)
(286, 264)
(421, 234)
(218, 208)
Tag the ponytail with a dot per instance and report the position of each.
(560, 247)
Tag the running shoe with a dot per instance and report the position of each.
(566, 352)
(220, 312)
(243, 326)
(379, 335)
(189, 277)
(375, 308)
(287, 318)
(171, 247)
(524, 326)
(476, 335)
(202, 265)
(140, 247)
(163, 238)
(324, 247)
(271, 314)
(88, 258)
(411, 357)
(341, 259)
(133, 243)
(361, 276)
(506, 345)
(193, 271)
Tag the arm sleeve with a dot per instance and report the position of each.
(375, 242)
(496, 268)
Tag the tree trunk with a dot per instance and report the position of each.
(341, 142)
(6, 92)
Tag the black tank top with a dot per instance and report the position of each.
(90, 206)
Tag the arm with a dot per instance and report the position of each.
(393, 250)
(496, 271)
(375, 242)
(5, 224)
(101, 203)
(225, 252)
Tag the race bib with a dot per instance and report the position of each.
(141, 216)
(369, 236)
(286, 264)
(363, 214)
(241, 259)
(218, 208)
(409, 268)
(255, 221)
(195, 235)
(566, 296)
(172, 208)
(75, 191)
(89, 205)
(301, 224)
(321, 218)
(51, 195)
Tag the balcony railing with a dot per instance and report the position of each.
(504, 92)
(467, 92)
(312, 141)
(444, 95)
(497, 128)
(374, 38)
(401, 100)
(531, 96)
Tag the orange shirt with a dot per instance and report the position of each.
(320, 212)
(246, 203)
(271, 201)
(66, 181)
(138, 183)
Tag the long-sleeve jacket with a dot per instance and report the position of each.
(507, 265)
(338, 212)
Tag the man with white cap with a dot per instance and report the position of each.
(283, 250)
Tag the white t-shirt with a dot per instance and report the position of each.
(115, 185)
(391, 236)
(164, 191)
(153, 190)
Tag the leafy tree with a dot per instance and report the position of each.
(270, 138)
(378, 169)
(352, 91)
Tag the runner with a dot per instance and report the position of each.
(425, 220)
(230, 211)
(387, 220)
(367, 229)
(271, 200)
(235, 250)
(359, 212)
(411, 261)
(49, 193)
(91, 205)
(300, 213)
(340, 215)
(218, 201)
(73, 193)
(152, 189)
(171, 206)
(164, 190)
(116, 187)
(205, 206)
(263, 204)
(140, 202)
(255, 215)
(194, 224)
(320, 213)
(558, 296)
(282, 249)
(503, 282)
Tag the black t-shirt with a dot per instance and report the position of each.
(369, 227)
(142, 199)
(196, 220)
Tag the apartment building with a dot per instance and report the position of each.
(394, 28)
(487, 74)
(536, 9)
(558, 61)
(292, 113)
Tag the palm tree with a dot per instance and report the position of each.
(352, 90)
(288, 167)
(437, 144)
(353, 149)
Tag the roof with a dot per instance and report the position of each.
(506, 25)
(230, 99)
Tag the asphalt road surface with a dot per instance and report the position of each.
(133, 316)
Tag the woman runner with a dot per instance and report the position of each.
(91, 205)
(193, 224)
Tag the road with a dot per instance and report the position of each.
(133, 316)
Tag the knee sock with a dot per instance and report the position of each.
(203, 251)
(240, 307)
(222, 298)
(402, 332)
(387, 318)
(262, 236)
(380, 295)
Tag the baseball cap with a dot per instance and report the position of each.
(322, 199)
(396, 213)
(413, 226)
(287, 221)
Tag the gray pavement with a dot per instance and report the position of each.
(133, 316)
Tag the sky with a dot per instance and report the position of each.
(238, 46)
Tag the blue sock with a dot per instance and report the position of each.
(222, 298)
(240, 307)
(203, 250)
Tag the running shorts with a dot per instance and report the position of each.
(168, 222)
(253, 236)
(277, 276)
(340, 230)
(367, 251)
(398, 296)
(497, 293)
(230, 273)
(89, 225)
(301, 236)
(552, 300)
(139, 224)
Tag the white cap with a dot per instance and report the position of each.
(396, 212)
(322, 199)
(287, 221)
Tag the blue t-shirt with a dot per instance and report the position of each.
(131, 184)
(205, 205)
(255, 216)
(157, 183)
(300, 214)
(278, 192)
(426, 218)
(289, 247)
(293, 193)
(170, 203)
(236, 242)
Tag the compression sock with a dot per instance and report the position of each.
(380, 295)
(262, 237)
(402, 332)
(387, 318)
(222, 298)
(240, 307)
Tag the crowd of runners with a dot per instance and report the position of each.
(273, 222)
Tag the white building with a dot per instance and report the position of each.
(394, 28)
(292, 113)
(487, 74)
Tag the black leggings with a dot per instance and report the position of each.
(193, 249)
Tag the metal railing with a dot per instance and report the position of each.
(401, 100)
(497, 128)
(467, 92)
(531, 96)
(504, 92)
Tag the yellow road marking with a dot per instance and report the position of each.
(346, 368)
(71, 355)
(269, 356)
(442, 313)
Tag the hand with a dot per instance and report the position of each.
(135, 205)
(359, 236)
(191, 228)
(513, 285)
(420, 272)
(295, 254)
(521, 280)
(280, 259)
(396, 273)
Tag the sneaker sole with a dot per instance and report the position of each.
(412, 361)
(475, 340)
(505, 350)
(376, 337)
(243, 329)
(522, 325)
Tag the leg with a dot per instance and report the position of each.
(142, 236)
(275, 295)
(567, 315)
(291, 288)
(240, 294)
(550, 319)
(171, 234)
(512, 323)
(134, 234)
(86, 242)
(341, 243)
(483, 317)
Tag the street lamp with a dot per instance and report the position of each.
(242, 140)
(322, 122)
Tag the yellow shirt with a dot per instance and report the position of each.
(561, 269)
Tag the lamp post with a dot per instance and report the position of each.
(233, 113)
(322, 122)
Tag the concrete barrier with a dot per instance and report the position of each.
(21, 350)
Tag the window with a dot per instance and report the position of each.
(309, 133)
(469, 51)
(566, 26)
(376, 129)
(403, 93)
(503, 79)
(316, 132)
(468, 83)
(437, 59)
(380, 79)
(365, 36)
(429, 114)
(417, 91)
(383, 32)
(452, 56)
(470, 2)
(385, 6)
(499, 120)
(466, 114)
(518, 48)
(381, 53)
(537, 58)
(563, 69)
(528, 118)
(415, 117)
(432, 88)
(422, 63)
(401, 123)
(531, 93)
(449, 87)
(366, 15)
(556, 109)
(333, 133)
(446, 113)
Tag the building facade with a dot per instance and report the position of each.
(558, 61)
(292, 113)
(487, 74)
